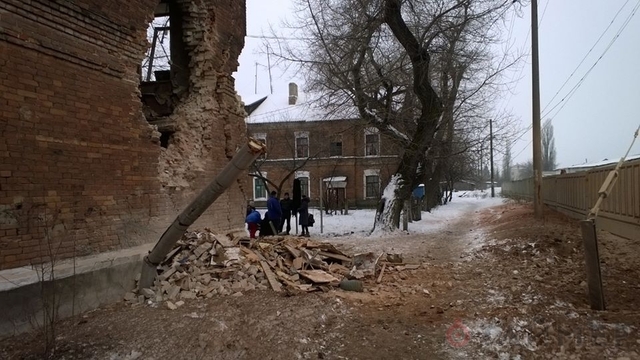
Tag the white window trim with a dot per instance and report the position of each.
(305, 174)
(371, 131)
(260, 136)
(253, 189)
(302, 134)
(370, 172)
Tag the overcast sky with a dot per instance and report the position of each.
(599, 119)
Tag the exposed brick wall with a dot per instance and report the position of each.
(280, 137)
(81, 170)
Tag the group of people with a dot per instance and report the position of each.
(278, 213)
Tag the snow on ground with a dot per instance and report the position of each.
(359, 223)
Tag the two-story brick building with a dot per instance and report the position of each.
(341, 158)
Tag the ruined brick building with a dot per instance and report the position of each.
(341, 159)
(91, 158)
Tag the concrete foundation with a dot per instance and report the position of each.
(93, 281)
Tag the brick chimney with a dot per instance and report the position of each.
(293, 93)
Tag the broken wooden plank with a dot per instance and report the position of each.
(224, 241)
(165, 275)
(317, 276)
(275, 285)
(298, 263)
(384, 266)
(335, 256)
(283, 276)
(295, 252)
(250, 254)
(171, 254)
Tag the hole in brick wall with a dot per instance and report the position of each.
(164, 72)
(165, 136)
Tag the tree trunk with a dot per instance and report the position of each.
(405, 178)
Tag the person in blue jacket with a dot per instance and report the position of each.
(275, 210)
(253, 221)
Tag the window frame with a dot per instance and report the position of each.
(304, 175)
(336, 139)
(370, 173)
(255, 179)
(369, 132)
(302, 135)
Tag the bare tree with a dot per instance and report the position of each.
(506, 164)
(548, 147)
(411, 69)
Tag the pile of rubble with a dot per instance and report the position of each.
(203, 265)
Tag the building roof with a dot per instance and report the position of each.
(275, 108)
(602, 163)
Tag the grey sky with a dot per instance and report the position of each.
(597, 122)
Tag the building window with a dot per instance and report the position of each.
(303, 176)
(371, 184)
(335, 148)
(259, 188)
(302, 144)
(261, 138)
(371, 142)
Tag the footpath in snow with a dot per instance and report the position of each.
(359, 223)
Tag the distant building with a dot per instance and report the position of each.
(589, 166)
(339, 158)
(519, 172)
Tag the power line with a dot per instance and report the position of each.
(575, 88)
(586, 55)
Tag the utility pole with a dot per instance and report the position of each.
(256, 79)
(269, 66)
(537, 143)
(493, 190)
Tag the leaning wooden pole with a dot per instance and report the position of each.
(239, 164)
(590, 235)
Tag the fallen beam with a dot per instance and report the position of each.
(238, 165)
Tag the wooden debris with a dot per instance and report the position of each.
(293, 251)
(298, 263)
(379, 279)
(275, 285)
(340, 257)
(203, 264)
(317, 276)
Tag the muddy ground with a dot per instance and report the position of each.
(495, 284)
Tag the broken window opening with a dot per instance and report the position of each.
(165, 136)
(164, 72)
(156, 65)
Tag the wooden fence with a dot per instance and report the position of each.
(575, 193)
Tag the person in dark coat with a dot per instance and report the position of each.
(265, 227)
(253, 222)
(286, 205)
(304, 215)
(275, 211)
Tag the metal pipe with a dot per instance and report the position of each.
(239, 163)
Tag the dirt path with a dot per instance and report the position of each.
(516, 294)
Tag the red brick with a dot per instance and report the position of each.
(86, 144)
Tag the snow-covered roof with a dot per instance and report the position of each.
(602, 163)
(276, 108)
